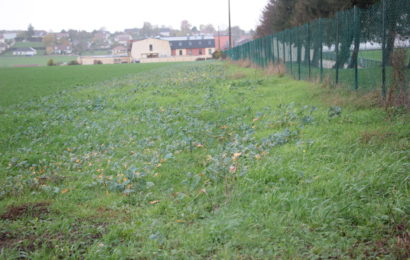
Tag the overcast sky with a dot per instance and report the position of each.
(116, 15)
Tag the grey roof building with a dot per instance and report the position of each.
(191, 42)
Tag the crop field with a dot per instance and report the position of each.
(21, 84)
(199, 161)
(8, 60)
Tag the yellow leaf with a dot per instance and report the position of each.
(180, 221)
(154, 202)
(64, 191)
(236, 156)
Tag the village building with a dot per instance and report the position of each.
(10, 35)
(63, 49)
(123, 39)
(25, 52)
(165, 32)
(221, 42)
(3, 47)
(103, 59)
(192, 45)
(150, 48)
(120, 50)
(39, 34)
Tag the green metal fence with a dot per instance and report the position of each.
(353, 48)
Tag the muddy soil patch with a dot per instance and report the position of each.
(35, 210)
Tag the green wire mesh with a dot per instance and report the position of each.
(352, 49)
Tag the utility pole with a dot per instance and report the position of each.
(230, 29)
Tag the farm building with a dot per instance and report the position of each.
(150, 48)
(104, 59)
(25, 52)
(192, 45)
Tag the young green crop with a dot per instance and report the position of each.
(188, 161)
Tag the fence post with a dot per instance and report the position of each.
(337, 48)
(283, 48)
(308, 48)
(384, 54)
(277, 46)
(299, 52)
(290, 51)
(321, 49)
(356, 35)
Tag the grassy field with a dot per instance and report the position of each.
(29, 44)
(7, 60)
(20, 84)
(201, 161)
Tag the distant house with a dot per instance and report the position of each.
(10, 35)
(222, 42)
(165, 32)
(120, 50)
(63, 35)
(3, 47)
(123, 39)
(63, 49)
(2, 39)
(39, 34)
(25, 52)
(150, 48)
(201, 45)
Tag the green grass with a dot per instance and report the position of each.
(21, 84)
(28, 44)
(38, 60)
(371, 55)
(202, 161)
(376, 55)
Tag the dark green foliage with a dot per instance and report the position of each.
(73, 62)
(50, 62)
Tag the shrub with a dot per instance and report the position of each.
(50, 62)
(218, 54)
(97, 62)
(73, 62)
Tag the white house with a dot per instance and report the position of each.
(123, 39)
(25, 52)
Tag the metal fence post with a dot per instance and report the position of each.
(321, 49)
(337, 48)
(277, 46)
(283, 47)
(290, 51)
(384, 55)
(308, 48)
(356, 35)
(299, 52)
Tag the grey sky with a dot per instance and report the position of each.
(116, 15)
